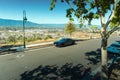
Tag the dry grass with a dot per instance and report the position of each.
(79, 35)
(41, 41)
(85, 35)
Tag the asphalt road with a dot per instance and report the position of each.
(13, 65)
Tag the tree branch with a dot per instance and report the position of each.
(96, 2)
(111, 31)
(70, 5)
(112, 14)
(100, 13)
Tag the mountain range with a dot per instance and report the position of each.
(19, 23)
(16, 23)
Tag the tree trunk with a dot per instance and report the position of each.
(104, 51)
(104, 60)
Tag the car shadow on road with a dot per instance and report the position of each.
(67, 71)
(94, 57)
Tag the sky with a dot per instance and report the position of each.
(37, 11)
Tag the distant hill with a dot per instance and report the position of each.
(19, 23)
(16, 23)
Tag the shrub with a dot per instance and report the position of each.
(48, 37)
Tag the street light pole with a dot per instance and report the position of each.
(24, 20)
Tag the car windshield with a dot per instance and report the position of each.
(63, 39)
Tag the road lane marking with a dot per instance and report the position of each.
(20, 55)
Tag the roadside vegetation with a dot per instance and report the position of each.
(70, 28)
(15, 37)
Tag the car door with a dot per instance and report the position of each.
(68, 42)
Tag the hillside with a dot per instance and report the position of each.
(16, 23)
(10, 24)
(19, 23)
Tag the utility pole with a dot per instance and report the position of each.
(24, 20)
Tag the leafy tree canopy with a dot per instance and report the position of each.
(70, 27)
(92, 9)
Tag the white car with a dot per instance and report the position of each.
(114, 48)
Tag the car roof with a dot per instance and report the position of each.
(65, 38)
(115, 43)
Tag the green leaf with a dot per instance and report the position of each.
(52, 4)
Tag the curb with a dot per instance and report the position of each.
(40, 44)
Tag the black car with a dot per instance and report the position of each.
(64, 42)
